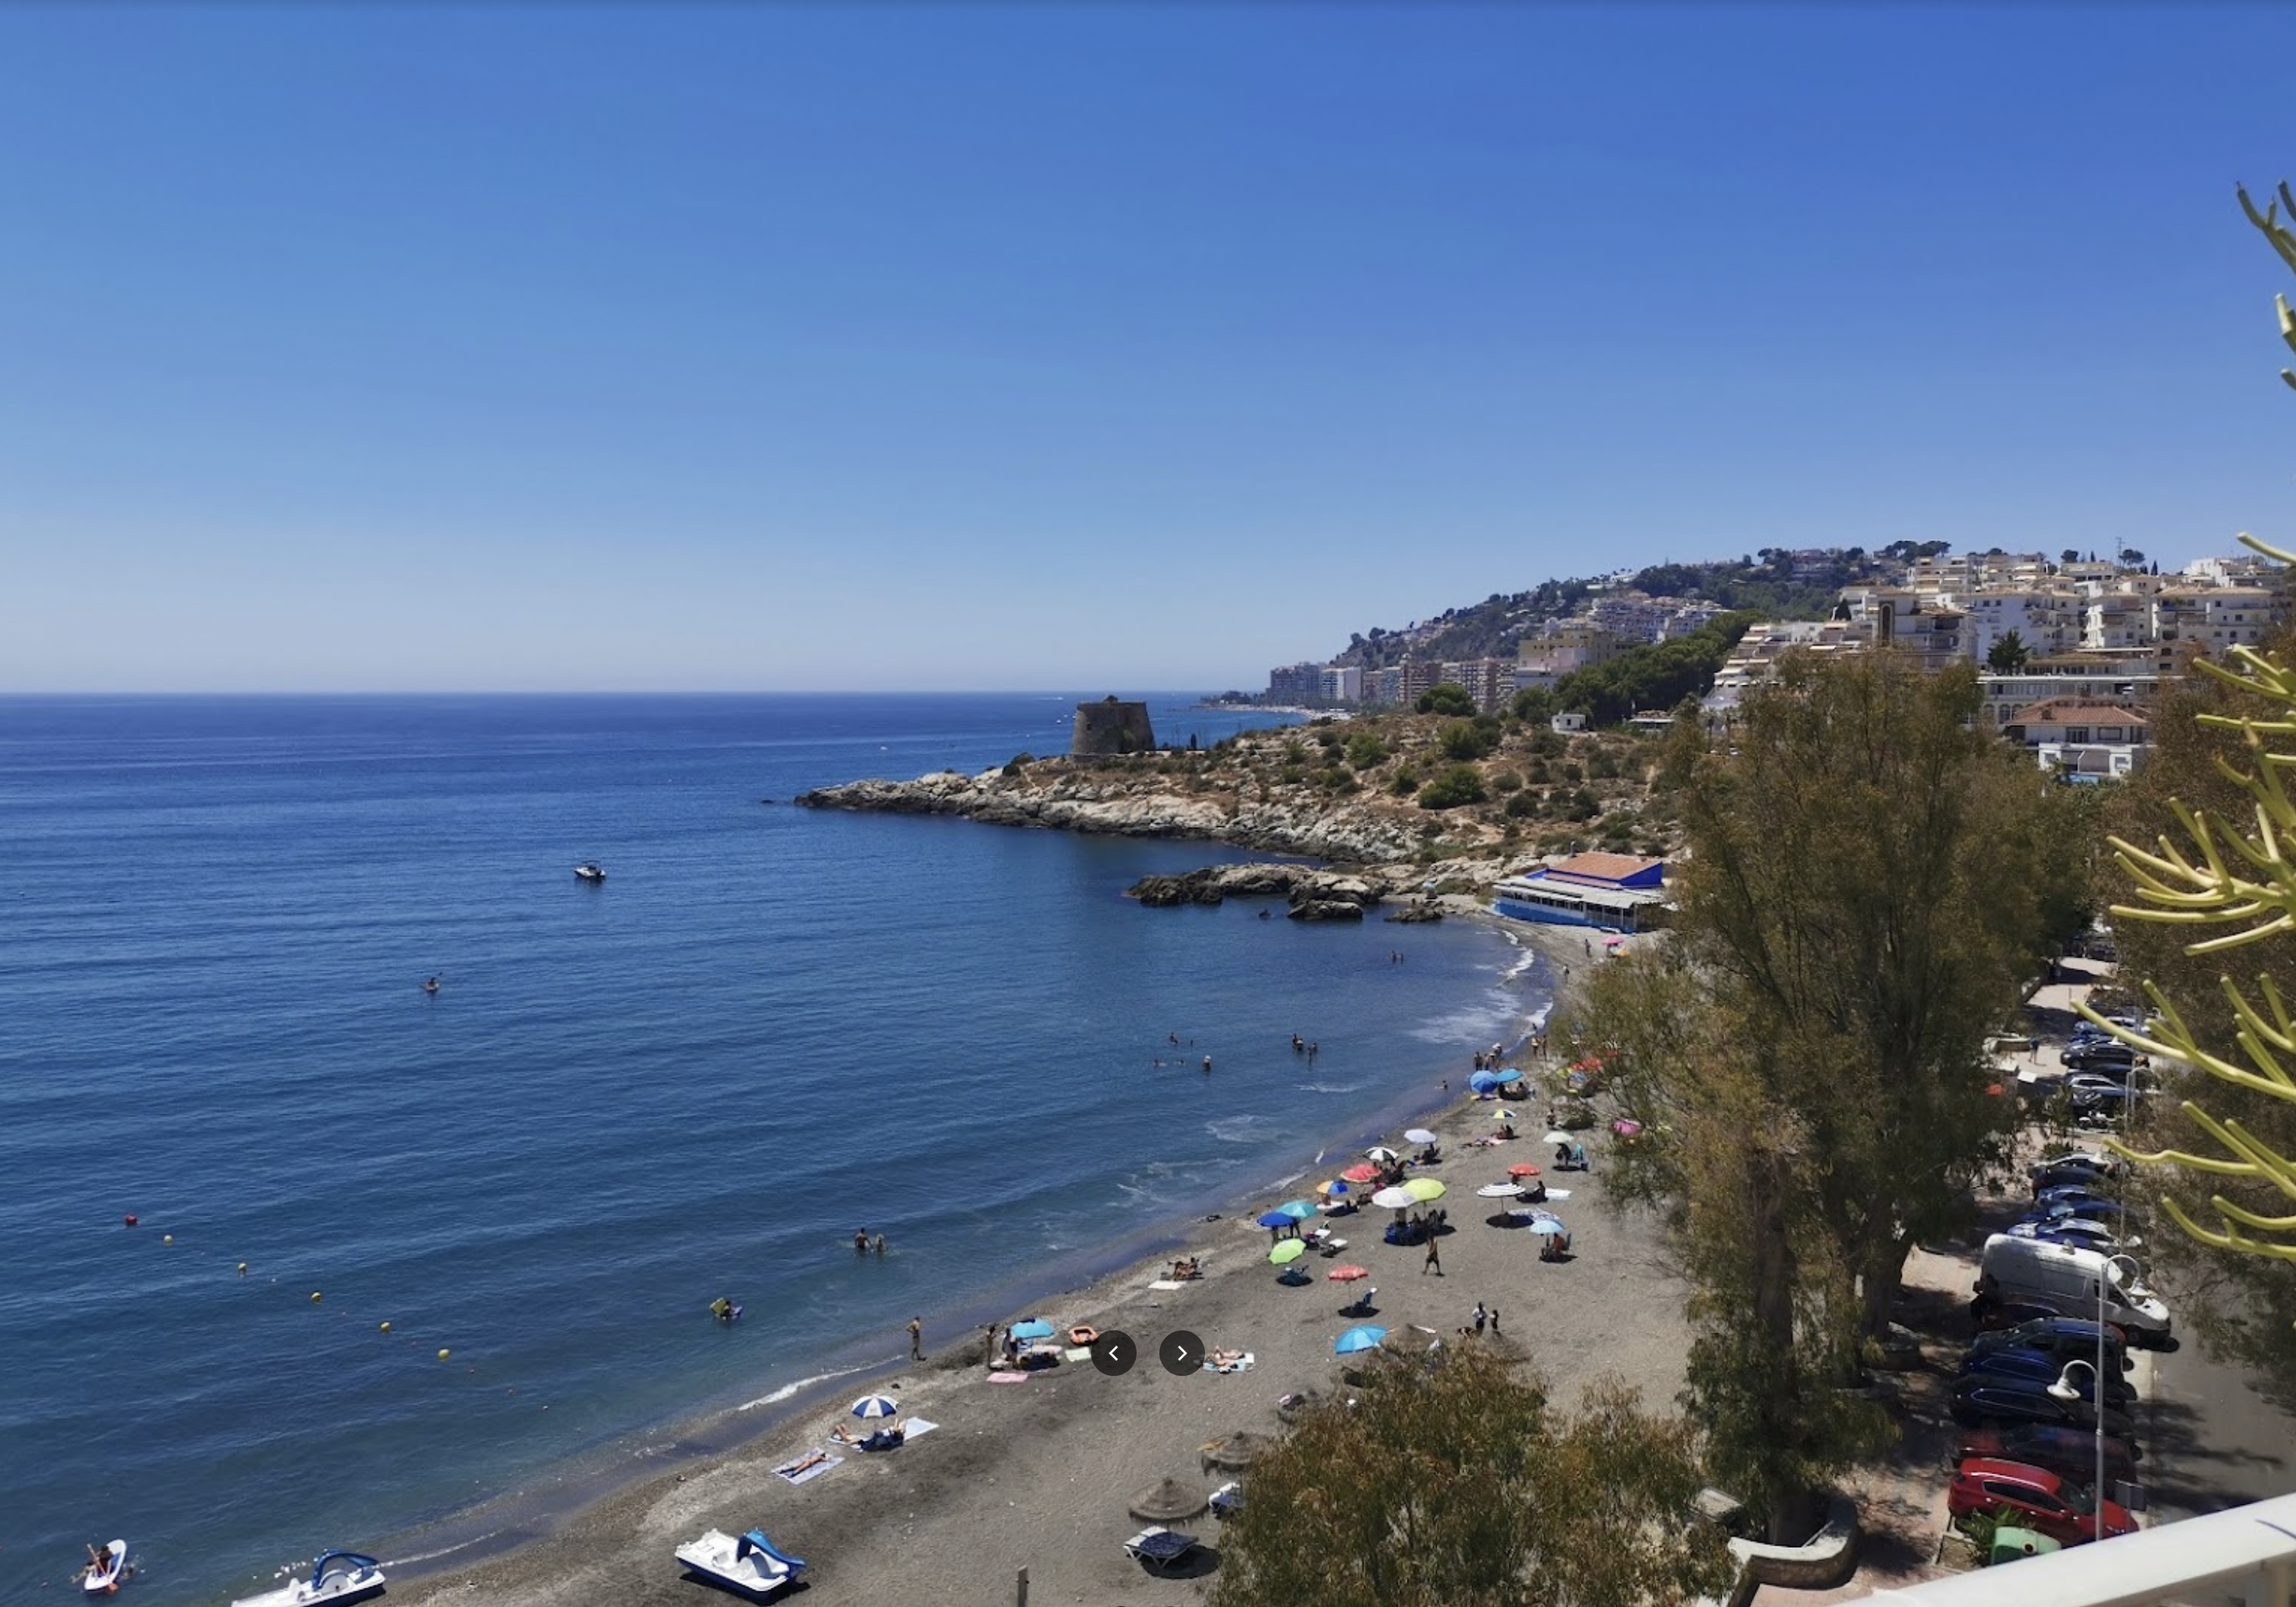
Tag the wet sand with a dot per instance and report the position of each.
(1039, 1475)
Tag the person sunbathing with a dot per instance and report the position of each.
(1184, 1270)
(812, 1459)
(876, 1439)
(1225, 1358)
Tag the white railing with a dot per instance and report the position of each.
(2245, 1555)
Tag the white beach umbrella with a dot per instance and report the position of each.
(1499, 1191)
(1395, 1199)
(1382, 1154)
(1418, 1135)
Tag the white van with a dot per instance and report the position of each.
(2068, 1277)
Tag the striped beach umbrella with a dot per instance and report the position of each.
(876, 1405)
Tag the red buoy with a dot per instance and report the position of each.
(131, 1221)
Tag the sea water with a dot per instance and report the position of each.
(768, 1029)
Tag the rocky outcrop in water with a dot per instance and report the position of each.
(1136, 805)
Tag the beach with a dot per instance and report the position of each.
(1038, 1474)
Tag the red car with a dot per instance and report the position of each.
(2041, 1500)
(2070, 1453)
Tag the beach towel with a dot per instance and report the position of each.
(802, 1475)
(1080, 1353)
(1010, 1377)
(918, 1427)
(1243, 1364)
(1167, 1284)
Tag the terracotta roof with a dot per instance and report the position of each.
(1605, 867)
(2056, 711)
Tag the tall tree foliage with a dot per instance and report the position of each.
(2231, 886)
(1459, 1486)
(1870, 881)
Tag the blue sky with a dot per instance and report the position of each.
(732, 347)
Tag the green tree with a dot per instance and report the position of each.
(1468, 740)
(1458, 1484)
(1445, 697)
(1869, 882)
(1459, 785)
(2008, 654)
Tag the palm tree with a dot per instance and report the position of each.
(2009, 653)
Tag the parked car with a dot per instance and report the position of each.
(2063, 1194)
(1988, 1402)
(2067, 1451)
(2072, 1174)
(2111, 1213)
(2071, 1230)
(2043, 1369)
(2086, 1055)
(2062, 1336)
(1993, 1313)
(2043, 1500)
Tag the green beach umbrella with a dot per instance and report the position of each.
(1424, 1189)
(1287, 1252)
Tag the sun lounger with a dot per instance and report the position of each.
(1227, 1499)
(811, 1469)
(1160, 1550)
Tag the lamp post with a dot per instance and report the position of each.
(2062, 1389)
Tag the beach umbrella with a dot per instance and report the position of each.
(1296, 1208)
(1418, 1135)
(1499, 1191)
(1382, 1155)
(1348, 1274)
(1395, 1199)
(1523, 1168)
(1548, 1227)
(1033, 1328)
(1483, 1082)
(1278, 1219)
(1508, 1076)
(1424, 1189)
(1236, 1451)
(1365, 1338)
(1556, 1136)
(1336, 1187)
(1287, 1252)
(1361, 1173)
(1167, 1501)
(876, 1405)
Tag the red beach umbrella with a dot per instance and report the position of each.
(1361, 1172)
(1347, 1275)
(1523, 1168)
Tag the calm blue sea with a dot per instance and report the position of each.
(769, 1028)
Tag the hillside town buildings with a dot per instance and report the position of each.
(2071, 651)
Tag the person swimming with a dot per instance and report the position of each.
(430, 984)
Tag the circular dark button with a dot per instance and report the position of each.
(1114, 1353)
(1182, 1353)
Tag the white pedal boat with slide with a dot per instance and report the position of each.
(750, 1563)
(339, 1577)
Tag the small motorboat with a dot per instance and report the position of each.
(749, 1564)
(106, 1572)
(590, 870)
(339, 1577)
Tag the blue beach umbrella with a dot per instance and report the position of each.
(1548, 1227)
(1296, 1208)
(876, 1405)
(1278, 1218)
(1034, 1328)
(1483, 1082)
(1508, 1076)
(1365, 1338)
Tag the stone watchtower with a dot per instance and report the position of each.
(1112, 726)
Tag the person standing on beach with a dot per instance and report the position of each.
(917, 1339)
(1434, 1262)
(988, 1345)
(1481, 1317)
(1494, 1319)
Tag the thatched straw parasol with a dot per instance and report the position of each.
(1235, 1453)
(1167, 1501)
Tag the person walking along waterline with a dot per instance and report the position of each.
(917, 1339)
(1434, 1262)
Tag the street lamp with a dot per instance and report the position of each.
(2062, 1389)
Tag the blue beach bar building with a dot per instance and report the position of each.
(1589, 889)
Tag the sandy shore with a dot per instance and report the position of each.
(1039, 1474)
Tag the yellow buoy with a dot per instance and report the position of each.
(242, 1269)
(386, 1327)
(315, 1296)
(167, 1238)
(443, 1354)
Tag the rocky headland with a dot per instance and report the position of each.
(1393, 806)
